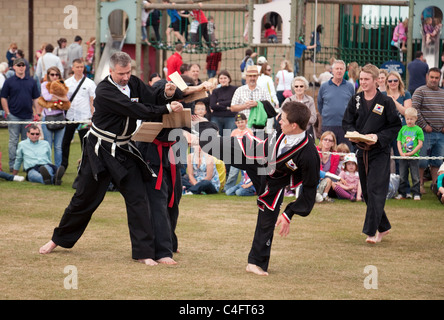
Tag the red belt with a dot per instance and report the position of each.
(159, 145)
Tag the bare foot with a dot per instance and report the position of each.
(166, 260)
(48, 247)
(256, 270)
(148, 262)
(371, 240)
(381, 234)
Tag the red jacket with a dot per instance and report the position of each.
(334, 162)
(173, 64)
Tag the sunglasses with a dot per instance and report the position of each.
(54, 75)
(20, 65)
(394, 80)
(34, 133)
(296, 87)
(268, 70)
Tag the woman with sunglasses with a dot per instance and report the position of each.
(53, 136)
(300, 85)
(402, 98)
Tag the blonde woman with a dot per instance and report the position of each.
(283, 80)
(300, 86)
(353, 74)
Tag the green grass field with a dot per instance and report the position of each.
(324, 257)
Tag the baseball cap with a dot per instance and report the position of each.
(19, 60)
(261, 60)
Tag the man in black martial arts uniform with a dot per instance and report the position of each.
(373, 114)
(288, 157)
(109, 155)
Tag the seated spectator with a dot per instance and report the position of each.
(341, 148)
(202, 177)
(7, 176)
(35, 155)
(329, 162)
(438, 188)
(243, 188)
(349, 186)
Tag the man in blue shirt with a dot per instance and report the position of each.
(19, 101)
(333, 98)
(417, 72)
(35, 155)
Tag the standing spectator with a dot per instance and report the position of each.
(213, 60)
(11, 54)
(409, 142)
(300, 86)
(81, 106)
(54, 137)
(429, 101)
(333, 97)
(417, 69)
(299, 49)
(61, 51)
(75, 51)
(211, 30)
(220, 103)
(373, 114)
(174, 62)
(247, 96)
(324, 76)
(283, 80)
(19, 101)
(353, 74)
(382, 80)
(247, 61)
(265, 81)
(153, 21)
(195, 74)
(35, 155)
(174, 25)
(21, 55)
(46, 61)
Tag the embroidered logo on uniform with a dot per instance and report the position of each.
(134, 99)
(378, 109)
(291, 165)
(357, 102)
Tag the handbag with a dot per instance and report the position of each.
(287, 93)
(55, 117)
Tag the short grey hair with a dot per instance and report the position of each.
(302, 79)
(119, 58)
(339, 61)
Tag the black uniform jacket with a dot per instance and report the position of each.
(381, 119)
(271, 174)
(115, 119)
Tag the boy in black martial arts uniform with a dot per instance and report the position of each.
(288, 157)
(109, 155)
(373, 114)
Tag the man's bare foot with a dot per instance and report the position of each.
(48, 247)
(256, 270)
(148, 262)
(381, 234)
(166, 260)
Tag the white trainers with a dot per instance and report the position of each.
(18, 178)
(399, 197)
(416, 197)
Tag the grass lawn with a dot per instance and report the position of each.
(324, 257)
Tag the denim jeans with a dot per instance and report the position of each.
(224, 123)
(202, 186)
(6, 176)
(404, 167)
(35, 176)
(55, 139)
(433, 147)
(239, 191)
(15, 131)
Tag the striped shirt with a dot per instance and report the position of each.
(430, 106)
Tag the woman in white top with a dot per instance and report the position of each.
(265, 81)
(283, 80)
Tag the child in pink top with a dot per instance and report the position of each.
(349, 186)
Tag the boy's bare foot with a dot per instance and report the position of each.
(148, 262)
(256, 270)
(166, 260)
(381, 234)
(48, 247)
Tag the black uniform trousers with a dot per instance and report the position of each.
(70, 130)
(263, 235)
(165, 216)
(374, 183)
(90, 193)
